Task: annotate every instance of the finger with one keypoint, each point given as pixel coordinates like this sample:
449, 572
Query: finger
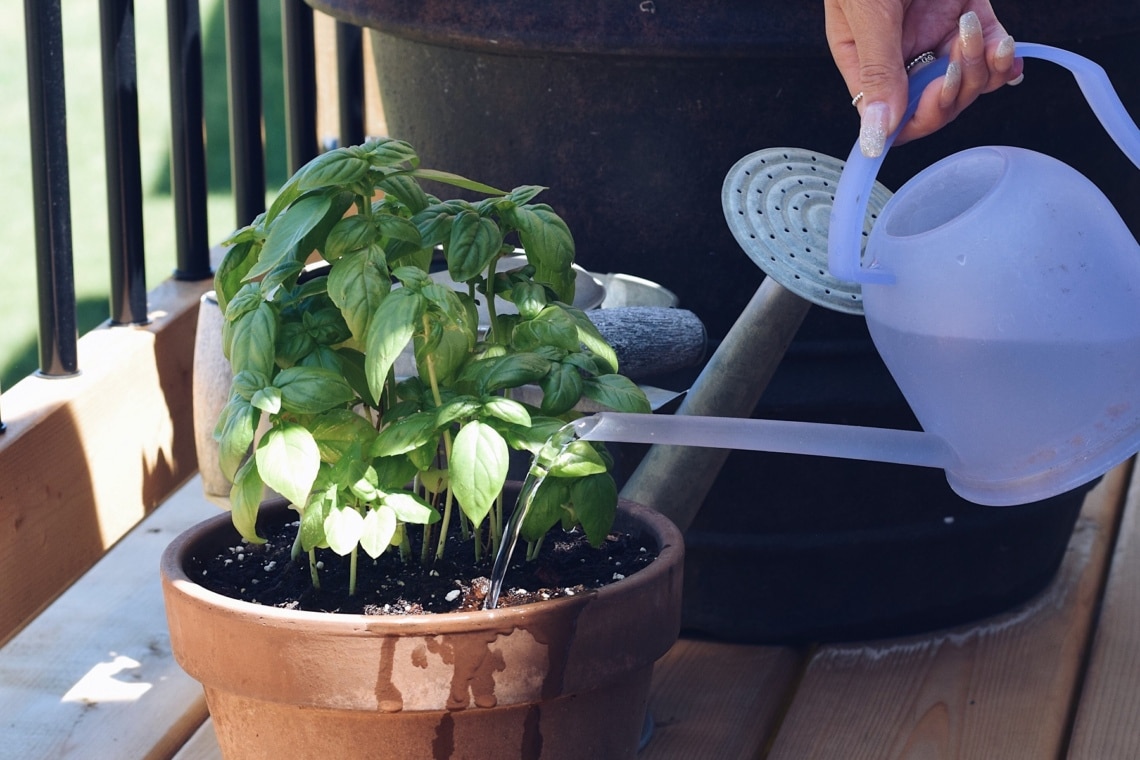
875, 28
972, 54
932, 112
1004, 67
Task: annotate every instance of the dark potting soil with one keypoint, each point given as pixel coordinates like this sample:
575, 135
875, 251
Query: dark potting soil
265, 574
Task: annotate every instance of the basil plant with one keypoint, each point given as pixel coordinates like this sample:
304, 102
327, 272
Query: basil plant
317, 412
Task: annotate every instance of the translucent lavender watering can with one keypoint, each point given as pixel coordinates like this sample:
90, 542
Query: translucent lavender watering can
1003, 292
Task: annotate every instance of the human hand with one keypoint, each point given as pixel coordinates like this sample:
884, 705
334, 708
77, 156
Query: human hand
872, 41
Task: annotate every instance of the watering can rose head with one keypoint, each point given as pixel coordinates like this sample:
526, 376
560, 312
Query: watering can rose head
362, 454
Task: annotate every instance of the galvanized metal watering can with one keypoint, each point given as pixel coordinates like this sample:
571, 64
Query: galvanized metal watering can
1003, 292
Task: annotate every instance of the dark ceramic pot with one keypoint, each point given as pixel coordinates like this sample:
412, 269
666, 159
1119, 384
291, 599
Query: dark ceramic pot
632, 114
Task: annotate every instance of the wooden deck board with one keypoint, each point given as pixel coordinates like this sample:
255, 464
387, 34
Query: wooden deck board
1000, 688
93, 677
203, 745
1108, 718
718, 701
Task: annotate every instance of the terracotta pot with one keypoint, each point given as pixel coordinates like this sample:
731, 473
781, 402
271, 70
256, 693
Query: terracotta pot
568, 678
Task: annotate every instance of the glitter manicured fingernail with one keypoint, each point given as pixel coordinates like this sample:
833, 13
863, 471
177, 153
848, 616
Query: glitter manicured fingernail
1005, 49
873, 129
951, 83
1016, 80
970, 32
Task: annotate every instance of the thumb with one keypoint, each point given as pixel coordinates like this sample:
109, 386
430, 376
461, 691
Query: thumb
877, 33
884, 87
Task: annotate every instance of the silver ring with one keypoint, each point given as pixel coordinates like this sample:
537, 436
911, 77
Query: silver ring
922, 60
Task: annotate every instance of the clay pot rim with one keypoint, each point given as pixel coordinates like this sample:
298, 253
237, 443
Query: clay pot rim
670, 554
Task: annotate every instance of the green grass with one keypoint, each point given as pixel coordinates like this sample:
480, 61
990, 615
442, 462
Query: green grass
19, 354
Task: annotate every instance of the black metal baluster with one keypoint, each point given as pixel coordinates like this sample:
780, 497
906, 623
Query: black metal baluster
55, 275
247, 152
300, 82
188, 149
124, 173
350, 81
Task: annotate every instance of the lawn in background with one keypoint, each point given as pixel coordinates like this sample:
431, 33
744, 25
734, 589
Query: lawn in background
19, 355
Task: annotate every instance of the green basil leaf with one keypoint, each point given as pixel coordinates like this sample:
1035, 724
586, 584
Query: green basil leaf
288, 460
322, 357
247, 299
294, 343
287, 231
338, 430
253, 341
236, 428
616, 392
398, 228
589, 337
411, 277
456, 180
389, 331
236, 263
406, 190
336, 168
532, 437
312, 390
352, 233
393, 472
507, 410
410, 508
552, 327
477, 468
529, 297
456, 409
245, 500
343, 527
595, 499
387, 152
524, 194
514, 370
475, 241
447, 353
434, 224
547, 506
561, 389
405, 435
377, 530
267, 399
312, 530
357, 284
247, 383
549, 247
576, 460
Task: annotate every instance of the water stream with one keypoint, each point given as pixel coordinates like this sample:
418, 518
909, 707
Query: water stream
557, 444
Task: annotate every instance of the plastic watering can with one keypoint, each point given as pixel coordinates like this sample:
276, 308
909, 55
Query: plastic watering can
1003, 292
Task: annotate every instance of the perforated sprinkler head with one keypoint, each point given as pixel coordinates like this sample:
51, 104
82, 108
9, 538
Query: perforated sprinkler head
777, 202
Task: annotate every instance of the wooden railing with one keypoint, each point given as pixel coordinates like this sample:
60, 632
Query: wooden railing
102, 433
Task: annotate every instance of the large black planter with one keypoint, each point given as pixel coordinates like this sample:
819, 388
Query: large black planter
632, 113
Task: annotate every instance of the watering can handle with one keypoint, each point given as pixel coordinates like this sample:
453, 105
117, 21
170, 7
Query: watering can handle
858, 177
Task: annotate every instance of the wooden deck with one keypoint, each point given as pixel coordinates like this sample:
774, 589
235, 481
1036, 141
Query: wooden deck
1056, 677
